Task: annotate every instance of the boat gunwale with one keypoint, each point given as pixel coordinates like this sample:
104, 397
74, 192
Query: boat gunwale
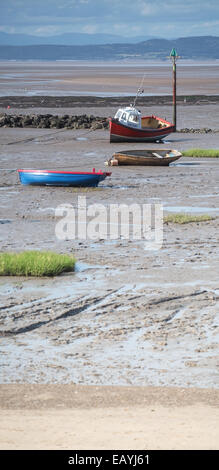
127, 153
40, 172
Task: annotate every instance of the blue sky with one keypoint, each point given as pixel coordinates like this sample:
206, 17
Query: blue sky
161, 18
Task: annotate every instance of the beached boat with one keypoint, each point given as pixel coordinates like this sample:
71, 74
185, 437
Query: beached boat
129, 126
61, 178
150, 157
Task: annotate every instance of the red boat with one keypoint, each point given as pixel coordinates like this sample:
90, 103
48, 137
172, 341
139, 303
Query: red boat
129, 126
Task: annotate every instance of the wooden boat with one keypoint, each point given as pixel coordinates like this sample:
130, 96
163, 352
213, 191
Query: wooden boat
151, 157
61, 178
129, 126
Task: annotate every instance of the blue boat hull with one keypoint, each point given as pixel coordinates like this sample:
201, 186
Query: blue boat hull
61, 179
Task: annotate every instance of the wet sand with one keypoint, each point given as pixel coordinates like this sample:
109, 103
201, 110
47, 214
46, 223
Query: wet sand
81, 78
129, 324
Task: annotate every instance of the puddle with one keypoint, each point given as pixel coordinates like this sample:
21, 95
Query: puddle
191, 209
7, 187
5, 221
47, 209
185, 164
203, 195
109, 186
81, 138
80, 267
90, 154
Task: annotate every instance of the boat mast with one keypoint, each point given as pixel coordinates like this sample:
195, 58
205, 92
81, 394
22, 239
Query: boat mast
140, 91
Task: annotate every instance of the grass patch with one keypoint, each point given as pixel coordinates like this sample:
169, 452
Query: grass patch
35, 263
186, 218
201, 153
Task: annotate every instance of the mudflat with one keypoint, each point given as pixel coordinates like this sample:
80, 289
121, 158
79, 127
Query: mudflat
126, 317
125, 349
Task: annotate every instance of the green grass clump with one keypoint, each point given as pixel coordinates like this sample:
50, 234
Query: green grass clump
186, 218
201, 153
35, 263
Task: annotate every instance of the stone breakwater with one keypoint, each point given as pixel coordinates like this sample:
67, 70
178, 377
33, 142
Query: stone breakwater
49, 121
203, 130
84, 121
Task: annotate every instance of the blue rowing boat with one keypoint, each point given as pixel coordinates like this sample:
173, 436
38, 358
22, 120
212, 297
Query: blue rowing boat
61, 178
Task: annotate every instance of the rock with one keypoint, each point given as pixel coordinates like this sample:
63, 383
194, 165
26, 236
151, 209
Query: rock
83, 121
97, 125
27, 121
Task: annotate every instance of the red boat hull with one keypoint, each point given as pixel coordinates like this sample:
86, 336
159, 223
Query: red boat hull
122, 133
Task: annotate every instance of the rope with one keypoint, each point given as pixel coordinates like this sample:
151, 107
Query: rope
30, 139
140, 91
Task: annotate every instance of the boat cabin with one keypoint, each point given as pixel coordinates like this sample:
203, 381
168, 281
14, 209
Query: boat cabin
129, 116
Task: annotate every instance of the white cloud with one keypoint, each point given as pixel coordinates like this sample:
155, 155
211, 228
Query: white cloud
47, 30
148, 9
173, 18
124, 30
90, 29
8, 29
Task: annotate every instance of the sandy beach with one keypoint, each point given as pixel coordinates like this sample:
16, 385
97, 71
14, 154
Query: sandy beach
122, 353
68, 417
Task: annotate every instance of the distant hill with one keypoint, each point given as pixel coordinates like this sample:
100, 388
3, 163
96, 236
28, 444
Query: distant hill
203, 47
68, 39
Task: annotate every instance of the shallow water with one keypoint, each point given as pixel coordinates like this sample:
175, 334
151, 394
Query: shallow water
185, 164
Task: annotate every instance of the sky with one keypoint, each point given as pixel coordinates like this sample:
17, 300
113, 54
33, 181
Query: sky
159, 18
